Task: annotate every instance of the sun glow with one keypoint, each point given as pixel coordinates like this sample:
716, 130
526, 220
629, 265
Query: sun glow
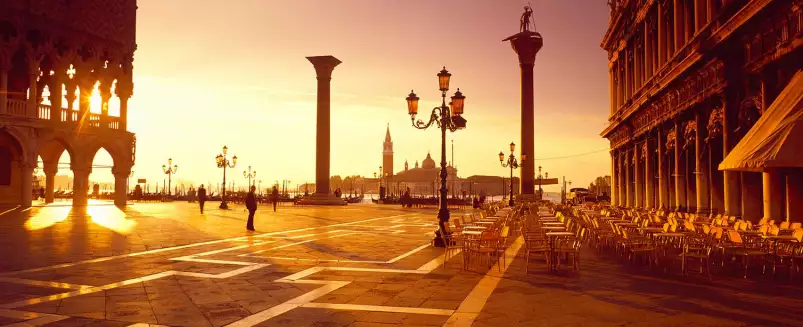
47, 216
111, 217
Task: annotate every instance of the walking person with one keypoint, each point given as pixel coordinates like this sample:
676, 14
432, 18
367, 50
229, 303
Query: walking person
274, 197
201, 197
251, 205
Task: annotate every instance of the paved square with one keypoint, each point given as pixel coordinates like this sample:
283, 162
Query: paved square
363, 265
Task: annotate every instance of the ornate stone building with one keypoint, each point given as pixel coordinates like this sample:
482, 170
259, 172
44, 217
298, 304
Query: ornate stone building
688, 80
58, 52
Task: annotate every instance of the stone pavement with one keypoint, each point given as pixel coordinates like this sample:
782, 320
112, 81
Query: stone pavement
362, 265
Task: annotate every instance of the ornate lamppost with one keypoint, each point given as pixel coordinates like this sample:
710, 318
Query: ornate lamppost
447, 118
169, 170
223, 162
513, 164
540, 181
249, 174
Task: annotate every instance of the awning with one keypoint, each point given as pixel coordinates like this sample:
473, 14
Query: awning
776, 140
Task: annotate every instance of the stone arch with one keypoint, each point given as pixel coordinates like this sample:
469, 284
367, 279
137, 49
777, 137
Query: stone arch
117, 151
53, 145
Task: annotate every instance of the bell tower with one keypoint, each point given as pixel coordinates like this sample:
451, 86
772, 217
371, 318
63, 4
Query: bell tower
387, 154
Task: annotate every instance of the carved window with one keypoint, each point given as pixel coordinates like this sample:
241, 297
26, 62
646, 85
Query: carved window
5, 166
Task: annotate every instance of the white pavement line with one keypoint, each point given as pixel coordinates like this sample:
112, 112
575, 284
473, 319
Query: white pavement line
295, 243
409, 253
9, 210
41, 321
31, 318
379, 308
328, 287
471, 306
65, 265
41, 283
146, 325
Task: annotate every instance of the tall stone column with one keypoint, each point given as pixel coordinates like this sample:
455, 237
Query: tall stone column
702, 173
105, 95
121, 187
680, 33
33, 75
773, 194
648, 51
661, 35
752, 190
80, 185
628, 179
679, 173
649, 176
526, 45
731, 179
3, 87
663, 187
71, 86
622, 179
614, 178
324, 65
612, 90
56, 94
26, 188
50, 169
637, 178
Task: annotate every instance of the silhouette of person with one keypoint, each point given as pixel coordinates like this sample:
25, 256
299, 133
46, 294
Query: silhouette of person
525, 18
201, 197
274, 197
42, 193
251, 205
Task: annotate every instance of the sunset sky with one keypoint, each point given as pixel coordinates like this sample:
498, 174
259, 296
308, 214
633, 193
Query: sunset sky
209, 73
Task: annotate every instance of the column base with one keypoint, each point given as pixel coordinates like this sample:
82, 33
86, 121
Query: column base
527, 198
322, 199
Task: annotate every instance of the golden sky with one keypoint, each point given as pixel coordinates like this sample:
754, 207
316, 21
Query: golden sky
210, 73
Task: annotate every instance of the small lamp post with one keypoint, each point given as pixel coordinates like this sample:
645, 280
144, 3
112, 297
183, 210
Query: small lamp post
447, 118
223, 162
513, 164
249, 174
169, 170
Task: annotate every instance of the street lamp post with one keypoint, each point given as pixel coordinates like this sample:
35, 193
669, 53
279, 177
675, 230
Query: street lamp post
223, 162
448, 118
249, 174
513, 164
540, 181
169, 170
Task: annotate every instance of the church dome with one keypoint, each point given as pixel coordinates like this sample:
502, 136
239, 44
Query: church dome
428, 163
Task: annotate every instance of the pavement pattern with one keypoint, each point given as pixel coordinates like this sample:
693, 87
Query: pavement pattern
165, 264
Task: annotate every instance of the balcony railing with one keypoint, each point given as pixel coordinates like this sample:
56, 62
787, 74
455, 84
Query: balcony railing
19, 108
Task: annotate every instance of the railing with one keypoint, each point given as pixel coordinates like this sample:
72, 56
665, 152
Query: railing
19, 108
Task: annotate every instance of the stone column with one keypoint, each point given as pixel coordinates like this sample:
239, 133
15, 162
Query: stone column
752, 203
637, 178
661, 35
324, 65
794, 196
731, 179
628, 179
701, 173
614, 178
3, 88
679, 13
700, 14
80, 185
628, 77
773, 194
612, 89
124, 91
680, 172
56, 94
526, 45
50, 169
70, 86
33, 75
649, 176
663, 188
120, 186
26, 189
648, 51
105, 95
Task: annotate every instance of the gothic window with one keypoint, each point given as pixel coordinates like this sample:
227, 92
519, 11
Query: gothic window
5, 166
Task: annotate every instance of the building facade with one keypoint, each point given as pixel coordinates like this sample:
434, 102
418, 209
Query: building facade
54, 54
688, 80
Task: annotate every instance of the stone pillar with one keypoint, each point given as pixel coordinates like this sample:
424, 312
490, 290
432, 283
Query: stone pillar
26, 189
663, 188
628, 179
679, 13
680, 172
124, 91
33, 75
50, 169
612, 89
56, 94
121, 186
661, 35
80, 185
648, 51
70, 86
752, 185
649, 176
731, 179
3, 88
700, 14
324, 65
105, 95
794, 195
701, 172
628, 76
773, 195
527, 44
614, 179
637, 179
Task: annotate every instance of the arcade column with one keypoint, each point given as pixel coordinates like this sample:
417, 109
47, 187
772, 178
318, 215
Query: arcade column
527, 44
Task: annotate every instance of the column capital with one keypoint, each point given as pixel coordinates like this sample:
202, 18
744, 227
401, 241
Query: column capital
526, 45
124, 89
324, 65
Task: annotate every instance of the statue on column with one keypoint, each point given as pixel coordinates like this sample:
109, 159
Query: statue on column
525, 19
